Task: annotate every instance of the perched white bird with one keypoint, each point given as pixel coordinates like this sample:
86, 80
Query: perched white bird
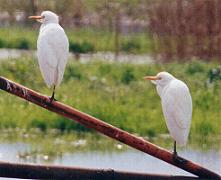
52, 49
177, 105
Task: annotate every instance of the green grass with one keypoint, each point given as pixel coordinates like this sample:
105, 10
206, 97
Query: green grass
10, 37
113, 92
85, 38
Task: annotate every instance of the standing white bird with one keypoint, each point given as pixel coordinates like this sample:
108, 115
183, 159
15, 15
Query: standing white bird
52, 49
177, 105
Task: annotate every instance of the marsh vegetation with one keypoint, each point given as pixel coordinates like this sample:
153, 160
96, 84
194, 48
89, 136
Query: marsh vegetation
113, 92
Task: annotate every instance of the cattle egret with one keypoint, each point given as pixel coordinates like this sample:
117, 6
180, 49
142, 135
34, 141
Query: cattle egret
52, 49
177, 105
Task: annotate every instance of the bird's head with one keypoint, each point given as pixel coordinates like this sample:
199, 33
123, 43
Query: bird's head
46, 17
161, 79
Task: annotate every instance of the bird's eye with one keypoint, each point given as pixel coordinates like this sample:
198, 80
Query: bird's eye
43, 17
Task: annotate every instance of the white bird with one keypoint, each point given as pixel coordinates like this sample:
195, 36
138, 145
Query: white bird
177, 105
52, 49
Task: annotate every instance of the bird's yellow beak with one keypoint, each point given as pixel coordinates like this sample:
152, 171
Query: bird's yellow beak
35, 17
152, 78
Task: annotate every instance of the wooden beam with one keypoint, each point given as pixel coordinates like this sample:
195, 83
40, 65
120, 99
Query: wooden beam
105, 128
31, 171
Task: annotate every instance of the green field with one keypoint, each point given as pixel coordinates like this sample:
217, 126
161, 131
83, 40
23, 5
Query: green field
113, 92
26, 38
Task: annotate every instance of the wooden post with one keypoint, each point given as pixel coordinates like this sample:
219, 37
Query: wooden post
105, 128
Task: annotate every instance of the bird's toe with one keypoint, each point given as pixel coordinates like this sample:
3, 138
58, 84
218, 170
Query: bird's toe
52, 99
178, 159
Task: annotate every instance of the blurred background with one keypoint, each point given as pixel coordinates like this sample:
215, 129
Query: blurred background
113, 44
169, 30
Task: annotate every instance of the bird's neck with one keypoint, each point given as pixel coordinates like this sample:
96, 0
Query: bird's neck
162, 88
44, 25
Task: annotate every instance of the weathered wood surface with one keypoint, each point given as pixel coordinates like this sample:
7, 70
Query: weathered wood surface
105, 128
31, 171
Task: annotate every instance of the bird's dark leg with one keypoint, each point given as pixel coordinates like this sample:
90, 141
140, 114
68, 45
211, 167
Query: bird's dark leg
174, 149
176, 158
53, 93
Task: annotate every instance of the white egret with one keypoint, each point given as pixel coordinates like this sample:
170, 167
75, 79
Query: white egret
177, 105
52, 49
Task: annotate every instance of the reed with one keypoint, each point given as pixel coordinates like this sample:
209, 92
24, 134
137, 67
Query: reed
185, 29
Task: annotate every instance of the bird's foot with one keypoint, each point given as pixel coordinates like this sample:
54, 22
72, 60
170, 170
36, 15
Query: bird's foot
175, 154
52, 98
178, 159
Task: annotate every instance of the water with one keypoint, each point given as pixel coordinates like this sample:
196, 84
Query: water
14, 53
131, 160
97, 152
83, 58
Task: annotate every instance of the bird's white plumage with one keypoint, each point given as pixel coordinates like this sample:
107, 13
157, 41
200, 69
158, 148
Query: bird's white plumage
176, 104
52, 49
177, 109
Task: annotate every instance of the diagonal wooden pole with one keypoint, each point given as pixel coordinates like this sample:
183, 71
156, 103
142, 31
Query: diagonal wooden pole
105, 128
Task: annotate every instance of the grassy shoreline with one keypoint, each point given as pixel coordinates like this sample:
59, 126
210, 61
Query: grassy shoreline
44, 143
81, 40
113, 92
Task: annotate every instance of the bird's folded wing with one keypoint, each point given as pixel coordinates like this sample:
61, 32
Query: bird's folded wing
177, 105
52, 47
